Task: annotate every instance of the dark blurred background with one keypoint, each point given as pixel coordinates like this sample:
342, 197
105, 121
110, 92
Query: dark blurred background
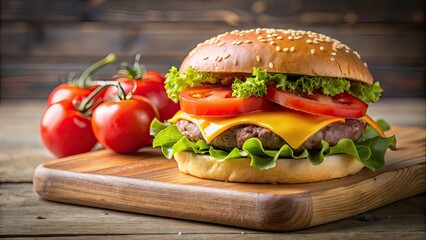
43, 40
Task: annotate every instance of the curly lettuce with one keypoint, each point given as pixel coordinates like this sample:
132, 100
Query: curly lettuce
255, 85
369, 150
177, 82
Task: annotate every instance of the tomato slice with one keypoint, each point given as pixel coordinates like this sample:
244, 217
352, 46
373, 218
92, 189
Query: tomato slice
341, 105
216, 100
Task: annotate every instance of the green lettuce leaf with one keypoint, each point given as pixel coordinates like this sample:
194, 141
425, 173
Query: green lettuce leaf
256, 84
252, 86
176, 82
365, 92
370, 150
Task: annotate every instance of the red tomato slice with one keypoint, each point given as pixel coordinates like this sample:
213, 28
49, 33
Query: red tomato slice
218, 101
341, 105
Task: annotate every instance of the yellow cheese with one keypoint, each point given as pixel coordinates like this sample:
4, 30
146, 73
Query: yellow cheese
374, 125
281, 121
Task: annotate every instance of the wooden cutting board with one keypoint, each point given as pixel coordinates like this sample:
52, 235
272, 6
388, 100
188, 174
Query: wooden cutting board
148, 183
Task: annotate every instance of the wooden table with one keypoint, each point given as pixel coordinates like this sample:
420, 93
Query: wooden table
23, 214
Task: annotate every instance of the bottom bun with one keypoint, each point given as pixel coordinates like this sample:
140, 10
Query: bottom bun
285, 171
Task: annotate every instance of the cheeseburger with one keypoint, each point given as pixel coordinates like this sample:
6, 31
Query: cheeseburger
272, 106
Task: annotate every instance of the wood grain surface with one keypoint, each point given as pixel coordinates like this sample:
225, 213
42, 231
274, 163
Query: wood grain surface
150, 184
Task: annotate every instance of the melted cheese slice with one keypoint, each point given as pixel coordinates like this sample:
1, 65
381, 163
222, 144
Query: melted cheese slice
374, 125
282, 122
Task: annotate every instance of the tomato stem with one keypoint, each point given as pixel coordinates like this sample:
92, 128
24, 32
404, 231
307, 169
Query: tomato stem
120, 92
101, 83
87, 103
84, 80
134, 71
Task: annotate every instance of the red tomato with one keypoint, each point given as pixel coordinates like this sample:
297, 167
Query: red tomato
218, 101
123, 126
341, 105
65, 131
71, 92
151, 89
156, 76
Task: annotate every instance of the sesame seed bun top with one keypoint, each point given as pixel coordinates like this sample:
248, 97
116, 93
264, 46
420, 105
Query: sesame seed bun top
278, 51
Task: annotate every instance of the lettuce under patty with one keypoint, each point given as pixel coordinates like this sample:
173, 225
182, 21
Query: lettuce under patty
369, 150
255, 85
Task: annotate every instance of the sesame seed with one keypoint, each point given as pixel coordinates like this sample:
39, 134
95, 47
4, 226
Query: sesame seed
219, 59
221, 44
248, 41
263, 40
235, 61
269, 36
357, 54
285, 49
258, 58
365, 64
278, 48
205, 58
238, 42
332, 59
226, 56
312, 51
272, 43
347, 51
333, 53
274, 35
290, 38
192, 52
234, 42
322, 48
271, 65
309, 41
280, 37
260, 37
292, 49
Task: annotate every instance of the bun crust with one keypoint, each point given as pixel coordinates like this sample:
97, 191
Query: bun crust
278, 51
285, 171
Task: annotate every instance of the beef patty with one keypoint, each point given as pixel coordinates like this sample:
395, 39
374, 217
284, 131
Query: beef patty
236, 136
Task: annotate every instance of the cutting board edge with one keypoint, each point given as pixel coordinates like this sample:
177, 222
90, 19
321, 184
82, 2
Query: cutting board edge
272, 212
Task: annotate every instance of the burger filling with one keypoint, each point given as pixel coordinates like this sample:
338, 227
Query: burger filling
236, 136
329, 111
246, 85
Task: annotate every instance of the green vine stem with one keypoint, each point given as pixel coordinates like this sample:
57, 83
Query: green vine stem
122, 94
87, 103
84, 80
134, 71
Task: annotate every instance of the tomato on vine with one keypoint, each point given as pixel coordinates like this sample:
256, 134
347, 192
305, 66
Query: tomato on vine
79, 88
148, 84
123, 125
66, 128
